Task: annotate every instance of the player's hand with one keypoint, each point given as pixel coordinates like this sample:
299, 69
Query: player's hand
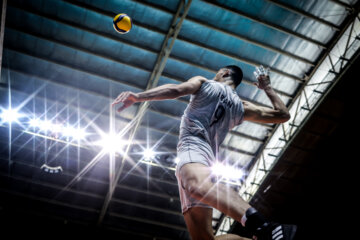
262, 75
127, 99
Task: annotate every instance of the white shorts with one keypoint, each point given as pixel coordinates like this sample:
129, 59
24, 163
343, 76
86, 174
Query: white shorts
191, 153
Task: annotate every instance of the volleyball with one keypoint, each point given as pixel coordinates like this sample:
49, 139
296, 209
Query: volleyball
122, 23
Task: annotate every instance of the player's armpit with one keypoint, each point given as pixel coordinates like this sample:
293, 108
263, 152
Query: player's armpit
261, 114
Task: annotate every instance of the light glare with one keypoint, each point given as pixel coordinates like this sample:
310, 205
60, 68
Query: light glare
79, 134
34, 123
148, 154
10, 115
45, 125
225, 171
111, 143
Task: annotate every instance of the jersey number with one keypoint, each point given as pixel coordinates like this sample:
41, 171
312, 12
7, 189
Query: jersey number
219, 114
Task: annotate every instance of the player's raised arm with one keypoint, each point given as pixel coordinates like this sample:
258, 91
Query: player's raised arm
278, 114
167, 91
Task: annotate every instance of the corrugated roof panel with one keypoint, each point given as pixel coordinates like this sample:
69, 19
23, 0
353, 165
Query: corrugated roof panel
77, 37
173, 108
158, 121
246, 91
278, 82
184, 71
94, 13
61, 74
282, 17
235, 157
78, 59
242, 143
138, 12
252, 129
327, 10
240, 25
261, 97
214, 60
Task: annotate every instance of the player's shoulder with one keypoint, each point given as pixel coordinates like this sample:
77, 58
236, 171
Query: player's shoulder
198, 79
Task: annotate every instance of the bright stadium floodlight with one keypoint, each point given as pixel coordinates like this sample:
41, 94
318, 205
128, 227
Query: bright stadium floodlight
45, 125
111, 143
10, 115
148, 154
79, 133
68, 131
75, 133
227, 172
56, 128
35, 123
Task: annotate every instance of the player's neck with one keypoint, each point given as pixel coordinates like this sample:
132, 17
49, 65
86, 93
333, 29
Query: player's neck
229, 82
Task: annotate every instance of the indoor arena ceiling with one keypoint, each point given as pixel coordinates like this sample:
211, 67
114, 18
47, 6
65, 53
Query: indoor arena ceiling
63, 63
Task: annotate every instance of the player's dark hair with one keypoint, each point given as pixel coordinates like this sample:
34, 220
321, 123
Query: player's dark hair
236, 74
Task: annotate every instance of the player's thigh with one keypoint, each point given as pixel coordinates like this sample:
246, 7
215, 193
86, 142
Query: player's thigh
199, 223
195, 173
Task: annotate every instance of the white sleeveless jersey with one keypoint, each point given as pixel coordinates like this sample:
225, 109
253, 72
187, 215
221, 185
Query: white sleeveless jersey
213, 110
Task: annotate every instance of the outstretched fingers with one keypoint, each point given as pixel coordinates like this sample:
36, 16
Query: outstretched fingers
118, 99
126, 98
259, 71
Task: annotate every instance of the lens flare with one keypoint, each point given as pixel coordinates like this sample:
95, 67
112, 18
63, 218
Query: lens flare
10, 115
111, 143
226, 171
148, 154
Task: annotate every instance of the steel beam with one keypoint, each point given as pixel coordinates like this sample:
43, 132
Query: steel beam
174, 30
239, 134
343, 4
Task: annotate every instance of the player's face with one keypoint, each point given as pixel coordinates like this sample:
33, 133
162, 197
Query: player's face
219, 75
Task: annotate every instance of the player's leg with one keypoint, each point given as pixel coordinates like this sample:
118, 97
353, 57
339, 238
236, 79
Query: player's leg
199, 223
196, 181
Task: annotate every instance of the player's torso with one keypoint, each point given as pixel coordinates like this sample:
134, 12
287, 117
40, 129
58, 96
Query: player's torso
213, 110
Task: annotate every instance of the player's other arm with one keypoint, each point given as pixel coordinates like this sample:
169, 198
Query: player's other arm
278, 114
167, 91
